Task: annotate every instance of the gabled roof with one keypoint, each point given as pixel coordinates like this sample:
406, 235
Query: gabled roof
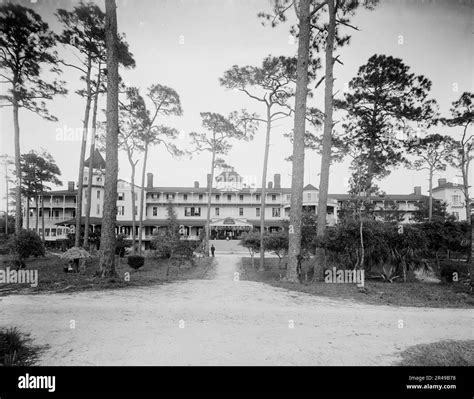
98, 161
310, 187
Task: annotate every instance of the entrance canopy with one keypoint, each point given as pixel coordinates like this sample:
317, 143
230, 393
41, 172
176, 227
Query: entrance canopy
231, 223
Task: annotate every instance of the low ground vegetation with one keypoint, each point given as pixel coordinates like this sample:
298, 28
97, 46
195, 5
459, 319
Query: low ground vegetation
16, 348
411, 293
442, 353
51, 277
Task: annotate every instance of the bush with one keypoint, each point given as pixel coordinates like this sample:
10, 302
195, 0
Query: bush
15, 349
135, 261
26, 244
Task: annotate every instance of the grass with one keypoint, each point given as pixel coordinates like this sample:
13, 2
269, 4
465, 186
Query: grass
51, 277
454, 295
16, 348
441, 353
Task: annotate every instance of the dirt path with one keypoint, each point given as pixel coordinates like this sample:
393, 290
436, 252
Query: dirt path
223, 321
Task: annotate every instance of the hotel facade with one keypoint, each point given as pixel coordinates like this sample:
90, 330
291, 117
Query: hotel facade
235, 205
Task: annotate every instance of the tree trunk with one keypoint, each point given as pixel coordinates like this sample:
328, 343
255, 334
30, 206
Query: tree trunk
7, 196
16, 125
430, 199
264, 190
37, 215
471, 263
142, 201
91, 169
298, 141
108, 238
327, 143
80, 183
27, 213
134, 223
90, 174
208, 217
42, 219
465, 181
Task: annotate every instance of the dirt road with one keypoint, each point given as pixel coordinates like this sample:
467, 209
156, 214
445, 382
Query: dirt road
223, 321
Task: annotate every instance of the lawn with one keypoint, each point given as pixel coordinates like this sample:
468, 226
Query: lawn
442, 353
51, 277
453, 295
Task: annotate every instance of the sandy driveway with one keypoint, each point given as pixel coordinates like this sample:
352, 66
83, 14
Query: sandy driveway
221, 321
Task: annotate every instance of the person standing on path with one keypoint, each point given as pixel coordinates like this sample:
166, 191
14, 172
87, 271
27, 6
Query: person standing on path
213, 249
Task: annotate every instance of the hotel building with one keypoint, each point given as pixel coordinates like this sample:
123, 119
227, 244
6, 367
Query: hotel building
235, 205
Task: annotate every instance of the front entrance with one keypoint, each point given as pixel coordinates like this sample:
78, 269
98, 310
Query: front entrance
229, 229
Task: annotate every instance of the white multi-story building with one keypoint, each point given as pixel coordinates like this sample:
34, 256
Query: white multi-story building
235, 205
452, 194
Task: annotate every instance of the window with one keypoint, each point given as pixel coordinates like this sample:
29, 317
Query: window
218, 197
200, 197
257, 197
121, 196
229, 197
192, 211
98, 209
257, 212
98, 194
75, 199
274, 197
57, 200
40, 213
185, 197
456, 199
74, 213
136, 210
169, 196
121, 210
155, 211
99, 179
217, 211
456, 215
241, 197
276, 212
53, 232
241, 211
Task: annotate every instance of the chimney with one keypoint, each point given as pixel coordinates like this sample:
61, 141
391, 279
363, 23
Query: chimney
196, 184
277, 180
270, 185
149, 180
208, 180
70, 186
441, 182
417, 190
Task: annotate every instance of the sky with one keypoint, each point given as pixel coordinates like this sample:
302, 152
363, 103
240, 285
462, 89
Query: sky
188, 44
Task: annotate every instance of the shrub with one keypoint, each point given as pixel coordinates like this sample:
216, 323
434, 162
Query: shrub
15, 349
277, 243
26, 244
251, 241
135, 261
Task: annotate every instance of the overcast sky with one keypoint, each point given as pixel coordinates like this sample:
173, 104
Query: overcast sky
187, 45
